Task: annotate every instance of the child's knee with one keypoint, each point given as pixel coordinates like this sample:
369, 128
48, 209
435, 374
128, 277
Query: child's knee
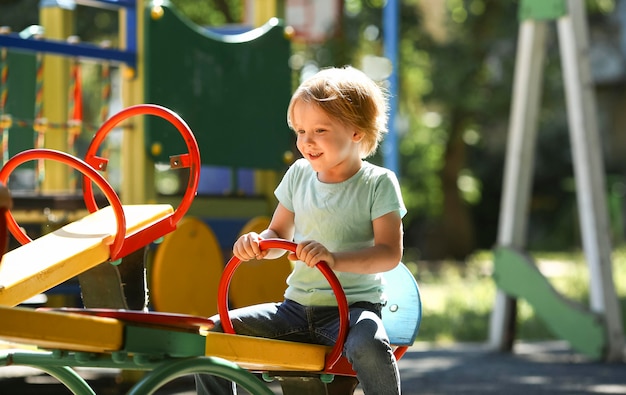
366, 350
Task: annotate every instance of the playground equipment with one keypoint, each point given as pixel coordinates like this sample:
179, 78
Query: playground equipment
135, 340
166, 345
206, 75
195, 248
596, 332
233, 90
80, 246
171, 345
289, 362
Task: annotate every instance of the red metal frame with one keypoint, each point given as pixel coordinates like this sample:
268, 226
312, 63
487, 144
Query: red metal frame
123, 244
233, 264
89, 173
4, 239
191, 159
174, 321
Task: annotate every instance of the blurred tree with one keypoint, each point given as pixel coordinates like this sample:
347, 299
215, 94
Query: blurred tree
18, 14
455, 73
211, 13
470, 54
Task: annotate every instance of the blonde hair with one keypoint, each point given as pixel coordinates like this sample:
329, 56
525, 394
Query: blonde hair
351, 97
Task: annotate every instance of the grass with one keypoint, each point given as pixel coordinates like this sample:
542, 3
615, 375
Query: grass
458, 297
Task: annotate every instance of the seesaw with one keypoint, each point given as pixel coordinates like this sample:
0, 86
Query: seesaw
165, 345
107, 234
310, 368
173, 345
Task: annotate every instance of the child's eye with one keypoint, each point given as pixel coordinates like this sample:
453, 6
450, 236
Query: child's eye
320, 130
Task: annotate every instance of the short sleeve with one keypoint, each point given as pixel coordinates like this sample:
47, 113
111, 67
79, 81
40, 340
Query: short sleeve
284, 191
387, 196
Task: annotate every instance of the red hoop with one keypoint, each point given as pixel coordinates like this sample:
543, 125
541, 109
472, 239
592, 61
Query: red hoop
231, 266
191, 159
88, 172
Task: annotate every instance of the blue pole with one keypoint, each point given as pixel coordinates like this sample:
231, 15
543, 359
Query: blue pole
391, 13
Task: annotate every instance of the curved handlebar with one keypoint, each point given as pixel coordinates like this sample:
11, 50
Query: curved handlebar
191, 159
342, 303
88, 172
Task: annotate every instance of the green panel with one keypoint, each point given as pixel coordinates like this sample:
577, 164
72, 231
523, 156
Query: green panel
233, 91
542, 9
151, 341
517, 275
21, 101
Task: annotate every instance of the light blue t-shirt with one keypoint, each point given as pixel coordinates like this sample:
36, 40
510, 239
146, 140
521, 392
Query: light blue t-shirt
340, 217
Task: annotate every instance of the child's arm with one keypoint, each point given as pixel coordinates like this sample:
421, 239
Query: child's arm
281, 226
383, 256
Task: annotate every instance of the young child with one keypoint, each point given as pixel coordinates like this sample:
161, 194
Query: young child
340, 209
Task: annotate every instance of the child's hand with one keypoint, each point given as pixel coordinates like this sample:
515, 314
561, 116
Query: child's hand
247, 247
311, 252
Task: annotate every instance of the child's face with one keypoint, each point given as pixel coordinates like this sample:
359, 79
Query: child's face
331, 147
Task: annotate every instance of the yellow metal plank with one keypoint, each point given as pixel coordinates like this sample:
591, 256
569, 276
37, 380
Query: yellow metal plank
58, 256
55, 330
262, 354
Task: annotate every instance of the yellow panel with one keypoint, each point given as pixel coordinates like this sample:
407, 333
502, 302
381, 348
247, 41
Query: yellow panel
261, 281
55, 330
257, 353
58, 256
58, 23
186, 270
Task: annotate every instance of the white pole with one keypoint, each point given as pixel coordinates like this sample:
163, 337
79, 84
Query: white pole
518, 168
589, 173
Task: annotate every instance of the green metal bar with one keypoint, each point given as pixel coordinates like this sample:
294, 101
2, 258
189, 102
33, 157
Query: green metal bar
542, 9
162, 371
69, 378
73, 359
201, 365
66, 375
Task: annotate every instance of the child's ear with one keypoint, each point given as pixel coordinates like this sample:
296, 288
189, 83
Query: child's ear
357, 136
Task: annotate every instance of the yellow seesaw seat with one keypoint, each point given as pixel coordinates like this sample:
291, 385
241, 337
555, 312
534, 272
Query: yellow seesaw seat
55, 330
69, 251
261, 354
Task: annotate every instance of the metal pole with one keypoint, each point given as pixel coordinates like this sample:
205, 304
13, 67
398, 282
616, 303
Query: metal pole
589, 173
391, 29
519, 159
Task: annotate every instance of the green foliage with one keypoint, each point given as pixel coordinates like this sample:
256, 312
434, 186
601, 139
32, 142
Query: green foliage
19, 14
458, 297
456, 66
211, 13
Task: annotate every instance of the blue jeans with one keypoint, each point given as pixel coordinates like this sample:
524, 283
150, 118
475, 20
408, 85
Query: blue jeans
366, 347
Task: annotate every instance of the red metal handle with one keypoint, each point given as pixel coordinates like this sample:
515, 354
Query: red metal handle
6, 203
191, 159
89, 172
342, 302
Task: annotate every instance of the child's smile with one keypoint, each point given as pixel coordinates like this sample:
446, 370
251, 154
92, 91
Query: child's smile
331, 147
